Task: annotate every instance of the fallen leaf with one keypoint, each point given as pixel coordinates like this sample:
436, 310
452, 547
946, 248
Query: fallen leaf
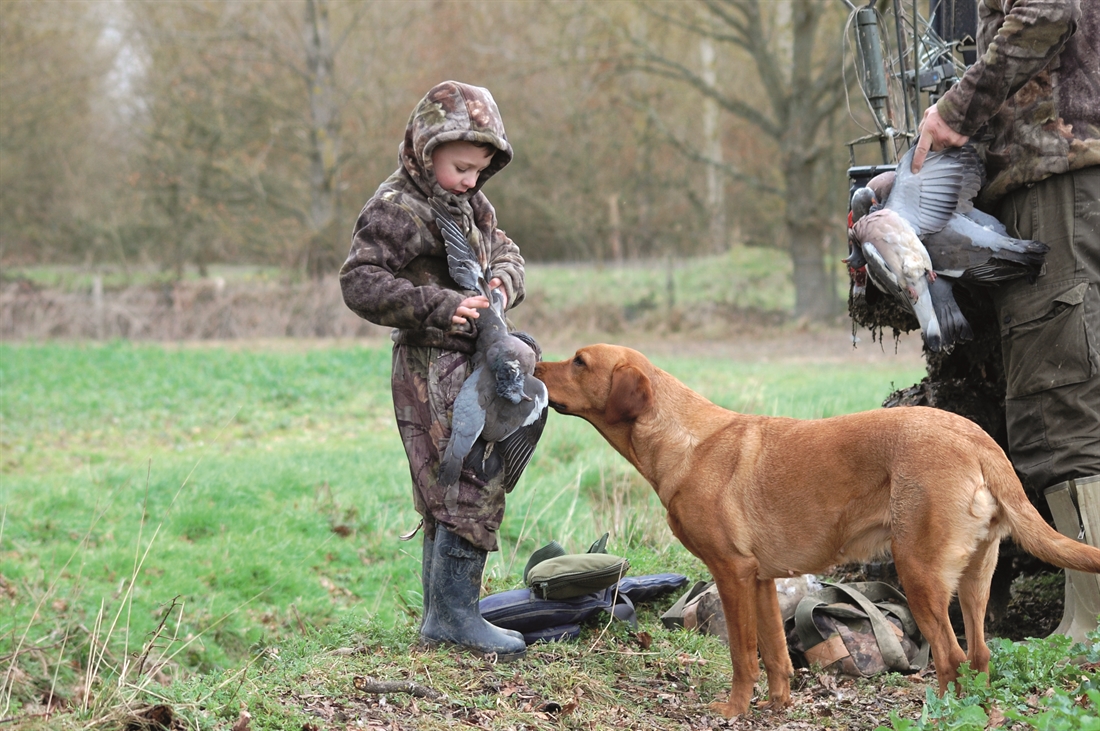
243, 722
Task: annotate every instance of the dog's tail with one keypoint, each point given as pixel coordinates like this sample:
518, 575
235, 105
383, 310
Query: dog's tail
1028, 527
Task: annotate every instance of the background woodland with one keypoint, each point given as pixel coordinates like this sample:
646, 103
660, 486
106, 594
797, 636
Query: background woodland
175, 136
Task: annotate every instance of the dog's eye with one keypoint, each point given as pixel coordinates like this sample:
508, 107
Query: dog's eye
578, 360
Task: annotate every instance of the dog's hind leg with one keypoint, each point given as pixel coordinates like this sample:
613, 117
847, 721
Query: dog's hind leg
735, 577
973, 598
772, 642
928, 586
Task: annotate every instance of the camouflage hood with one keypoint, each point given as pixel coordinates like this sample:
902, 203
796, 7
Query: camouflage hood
452, 111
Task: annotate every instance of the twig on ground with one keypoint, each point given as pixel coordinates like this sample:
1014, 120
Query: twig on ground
373, 685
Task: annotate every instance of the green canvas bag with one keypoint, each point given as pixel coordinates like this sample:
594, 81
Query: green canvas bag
551, 573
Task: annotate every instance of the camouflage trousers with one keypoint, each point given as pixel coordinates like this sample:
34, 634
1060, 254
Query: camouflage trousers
425, 384
1050, 332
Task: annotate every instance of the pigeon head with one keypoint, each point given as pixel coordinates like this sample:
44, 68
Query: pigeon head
511, 360
862, 200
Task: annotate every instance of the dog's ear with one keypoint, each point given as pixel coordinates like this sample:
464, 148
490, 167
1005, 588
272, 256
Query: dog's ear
631, 394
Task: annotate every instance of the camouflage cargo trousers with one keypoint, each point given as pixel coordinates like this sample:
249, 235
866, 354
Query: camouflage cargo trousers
1050, 332
425, 384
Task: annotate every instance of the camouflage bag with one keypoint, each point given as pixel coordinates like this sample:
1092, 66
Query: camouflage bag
859, 629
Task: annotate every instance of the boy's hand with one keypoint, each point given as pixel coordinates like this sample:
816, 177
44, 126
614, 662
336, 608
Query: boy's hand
495, 283
468, 309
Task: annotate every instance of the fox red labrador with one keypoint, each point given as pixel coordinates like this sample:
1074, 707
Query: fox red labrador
757, 498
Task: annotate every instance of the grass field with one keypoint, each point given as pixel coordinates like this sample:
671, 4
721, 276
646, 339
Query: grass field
185, 514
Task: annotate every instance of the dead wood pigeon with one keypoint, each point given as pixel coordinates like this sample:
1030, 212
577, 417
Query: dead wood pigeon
973, 247
501, 409
889, 238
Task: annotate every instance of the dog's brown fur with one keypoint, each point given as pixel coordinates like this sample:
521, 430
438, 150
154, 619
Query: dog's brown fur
757, 498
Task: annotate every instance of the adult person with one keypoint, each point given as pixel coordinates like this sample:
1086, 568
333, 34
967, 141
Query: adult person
1031, 104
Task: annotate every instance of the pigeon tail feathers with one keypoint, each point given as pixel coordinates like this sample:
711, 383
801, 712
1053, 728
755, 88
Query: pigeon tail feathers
954, 327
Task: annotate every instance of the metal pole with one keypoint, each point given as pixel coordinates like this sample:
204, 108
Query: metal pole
916, 66
901, 66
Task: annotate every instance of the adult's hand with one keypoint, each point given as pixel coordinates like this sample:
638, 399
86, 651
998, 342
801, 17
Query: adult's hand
934, 135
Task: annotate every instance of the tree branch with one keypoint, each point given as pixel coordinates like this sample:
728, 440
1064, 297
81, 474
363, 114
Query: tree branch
685, 149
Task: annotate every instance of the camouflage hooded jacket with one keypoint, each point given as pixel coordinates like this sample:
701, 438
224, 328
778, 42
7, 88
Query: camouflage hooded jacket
396, 274
1035, 89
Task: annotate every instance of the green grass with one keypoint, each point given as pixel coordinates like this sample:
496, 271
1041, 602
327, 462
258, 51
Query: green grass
225, 520
743, 277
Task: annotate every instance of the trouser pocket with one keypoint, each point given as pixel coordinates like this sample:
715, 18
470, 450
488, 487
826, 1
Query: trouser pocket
1044, 338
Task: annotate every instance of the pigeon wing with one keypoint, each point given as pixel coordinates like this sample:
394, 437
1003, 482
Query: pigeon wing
461, 259
518, 447
467, 423
928, 199
880, 273
966, 249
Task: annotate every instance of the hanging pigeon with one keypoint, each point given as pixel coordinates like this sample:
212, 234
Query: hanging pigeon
501, 409
973, 247
889, 238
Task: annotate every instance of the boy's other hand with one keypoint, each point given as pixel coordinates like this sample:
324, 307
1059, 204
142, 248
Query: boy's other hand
468, 309
495, 283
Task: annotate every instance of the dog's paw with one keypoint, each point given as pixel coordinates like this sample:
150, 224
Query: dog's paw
777, 701
729, 710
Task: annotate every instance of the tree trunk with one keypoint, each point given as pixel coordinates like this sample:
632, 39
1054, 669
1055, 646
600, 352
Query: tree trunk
322, 258
712, 145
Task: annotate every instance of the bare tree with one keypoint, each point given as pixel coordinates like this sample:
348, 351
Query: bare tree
798, 66
56, 144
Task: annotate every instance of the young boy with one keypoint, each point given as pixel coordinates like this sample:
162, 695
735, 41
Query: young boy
396, 275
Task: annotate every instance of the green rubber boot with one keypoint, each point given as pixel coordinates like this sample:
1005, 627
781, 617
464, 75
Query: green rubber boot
426, 575
453, 615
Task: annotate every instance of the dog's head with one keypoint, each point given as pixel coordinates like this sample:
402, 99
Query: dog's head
607, 385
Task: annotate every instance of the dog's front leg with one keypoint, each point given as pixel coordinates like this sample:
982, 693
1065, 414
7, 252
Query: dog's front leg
773, 644
737, 586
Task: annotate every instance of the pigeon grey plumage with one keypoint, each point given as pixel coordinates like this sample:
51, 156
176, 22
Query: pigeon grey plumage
501, 409
889, 238
973, 246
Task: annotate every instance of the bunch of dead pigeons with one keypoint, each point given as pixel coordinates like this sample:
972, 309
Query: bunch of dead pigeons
915, 236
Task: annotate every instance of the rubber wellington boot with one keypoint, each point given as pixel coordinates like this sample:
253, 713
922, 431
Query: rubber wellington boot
1075, 505
426, 574
454, 617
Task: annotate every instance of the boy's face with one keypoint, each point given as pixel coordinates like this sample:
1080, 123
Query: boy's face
458, 164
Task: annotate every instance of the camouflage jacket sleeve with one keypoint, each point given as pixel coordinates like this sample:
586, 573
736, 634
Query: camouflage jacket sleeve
380, 281
504, 257
508, 265
1027, 35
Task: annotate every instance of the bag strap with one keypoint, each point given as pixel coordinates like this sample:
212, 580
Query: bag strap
674, 617
553, 549
621, 607
887, 597
889, 645
599, 546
